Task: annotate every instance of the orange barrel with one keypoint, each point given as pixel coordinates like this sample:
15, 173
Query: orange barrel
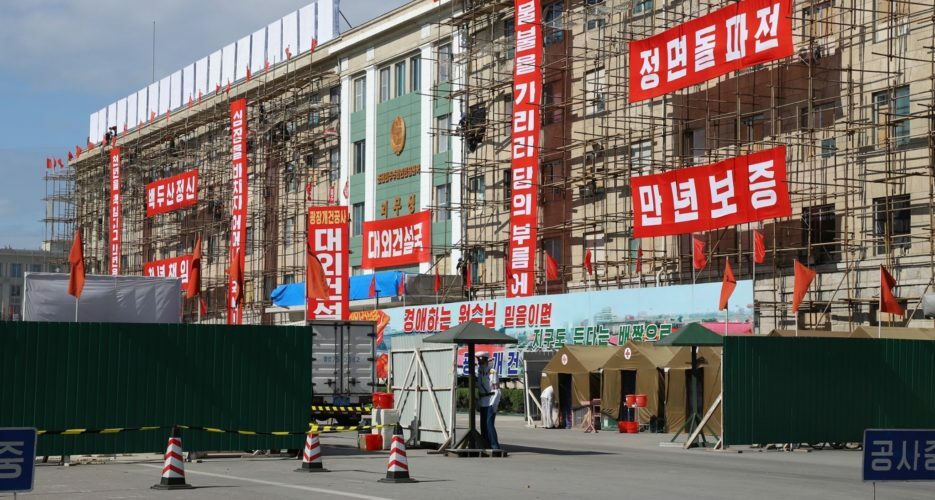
633, 427
641, 401
383, 400
622, 426
373, 442
630, 400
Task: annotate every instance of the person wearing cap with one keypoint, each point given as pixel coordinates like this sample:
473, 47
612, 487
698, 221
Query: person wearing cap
488, 399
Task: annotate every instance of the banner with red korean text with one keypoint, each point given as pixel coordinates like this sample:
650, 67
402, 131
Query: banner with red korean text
238, 222
175, 267
734, 191
328, 234
116, 222
524, 182
398, 241
172, 193
743, 34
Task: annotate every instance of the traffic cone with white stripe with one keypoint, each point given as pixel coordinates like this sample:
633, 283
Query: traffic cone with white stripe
173, 471
311, 455
397, 469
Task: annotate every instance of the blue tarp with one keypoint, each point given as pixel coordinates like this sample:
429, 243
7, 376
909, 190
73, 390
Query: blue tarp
293, 294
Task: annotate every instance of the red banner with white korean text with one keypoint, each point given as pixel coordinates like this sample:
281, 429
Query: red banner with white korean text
116, 224
175, 267
744, 34
524, 201
238, 223
398, 241
172, 193
328, 238
734, 191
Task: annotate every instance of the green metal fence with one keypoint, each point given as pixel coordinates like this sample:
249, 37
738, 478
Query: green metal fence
809, 390
57, 376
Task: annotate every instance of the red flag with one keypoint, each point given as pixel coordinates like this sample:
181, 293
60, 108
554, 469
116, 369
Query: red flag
639, 258
194, 272
60, 164
266, 66
168, 114
803, 278
152, 115
316, 286
217, 88
759, 247
314, 45
438, 281
48, 163
727, 286
76, 260
70, 156
78, 151
203, 305
372, 293
249, 73
551, 268
228, 88
401, 288
236, 273
308, 192
191, 102
199, 97
468, 279
588, 266
888, 302
288, 53
698, 257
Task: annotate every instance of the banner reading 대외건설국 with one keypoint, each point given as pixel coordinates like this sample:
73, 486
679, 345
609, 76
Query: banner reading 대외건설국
397, 241
610, 317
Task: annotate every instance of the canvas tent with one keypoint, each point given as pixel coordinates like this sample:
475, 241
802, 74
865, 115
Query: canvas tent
892, 332
635, 373
677, 395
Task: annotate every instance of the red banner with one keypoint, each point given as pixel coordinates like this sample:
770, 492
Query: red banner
116, 223
398, 241
238, 241
524, 203
176, 267
744, 34
172, 193
328, 236
737, 190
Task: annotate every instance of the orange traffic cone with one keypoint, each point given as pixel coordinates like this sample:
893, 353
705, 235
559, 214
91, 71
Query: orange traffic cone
397, 469
311, 456
173, 472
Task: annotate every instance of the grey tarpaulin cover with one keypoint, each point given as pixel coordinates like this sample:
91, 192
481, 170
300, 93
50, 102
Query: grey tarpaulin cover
105, 299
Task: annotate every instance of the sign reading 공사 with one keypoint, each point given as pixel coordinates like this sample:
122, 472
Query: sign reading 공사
328, 239
17, 458
899, 455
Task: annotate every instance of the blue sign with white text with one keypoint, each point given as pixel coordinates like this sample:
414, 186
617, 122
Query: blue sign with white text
17, 458
899, 455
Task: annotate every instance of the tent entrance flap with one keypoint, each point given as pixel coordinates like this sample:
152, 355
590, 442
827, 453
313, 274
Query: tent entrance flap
565, 399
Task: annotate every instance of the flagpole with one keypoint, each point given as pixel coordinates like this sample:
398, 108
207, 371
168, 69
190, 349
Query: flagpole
76, 309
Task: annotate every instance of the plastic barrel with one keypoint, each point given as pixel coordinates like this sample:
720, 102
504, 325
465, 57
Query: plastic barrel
630, 400
383, 400
641, 401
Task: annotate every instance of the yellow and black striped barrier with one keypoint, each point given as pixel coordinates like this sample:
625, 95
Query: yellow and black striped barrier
311, 428
111, 430
341, 409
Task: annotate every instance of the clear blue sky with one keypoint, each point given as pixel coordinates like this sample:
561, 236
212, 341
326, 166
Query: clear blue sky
64, 59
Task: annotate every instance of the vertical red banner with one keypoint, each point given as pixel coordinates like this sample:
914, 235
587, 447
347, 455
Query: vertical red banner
115, 218
328, 239
524, 202
238, 243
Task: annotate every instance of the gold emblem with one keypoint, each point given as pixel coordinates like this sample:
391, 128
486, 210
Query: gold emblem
398, 135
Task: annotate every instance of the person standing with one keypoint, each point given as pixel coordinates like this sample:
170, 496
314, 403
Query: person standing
488, 399
546, 400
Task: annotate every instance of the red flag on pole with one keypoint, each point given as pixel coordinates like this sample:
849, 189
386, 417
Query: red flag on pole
48, 163
803, 279
266, 66
249, 73
888, 302
468, 279
699, 261
588, 265
76, 260
191, 102
373, 286
759, 247
236, 273
316, 286
438, 281
401, 287
70, 156
314, 45
727, 286
60, 164
551, 268
203, 305
194, 272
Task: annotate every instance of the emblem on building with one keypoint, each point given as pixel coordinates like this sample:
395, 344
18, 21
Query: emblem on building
398, 135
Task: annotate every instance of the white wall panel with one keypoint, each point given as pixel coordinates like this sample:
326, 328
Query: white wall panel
111, 115
165, 96
101, 126
188, 84
274, 42
214, 72
258, 51
201, 77
306, 27
243, 58
327, 20
92, 127
132, 111
121, 115
175, 90
228, 60
142, 106
153, 104
290, 34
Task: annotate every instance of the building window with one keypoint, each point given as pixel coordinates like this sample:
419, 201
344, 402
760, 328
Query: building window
288, 233
695, 145
507, 184
415, 73
754, 128
384, 84
594, 91
477, 188
509, 38
360, 158
442, 202
891, 19
16, 270
595, 18
1, 268
891, 219
444, 63
819, 231
288, 279
552, 102
508, 111
357, 219
334, 164
248, 240
641, 154
828, 147
642, 6
35, 268
360, 93
554, 29
891, 116
400, 78
291, 178
334, 95
16, 291
823, 115
442, 136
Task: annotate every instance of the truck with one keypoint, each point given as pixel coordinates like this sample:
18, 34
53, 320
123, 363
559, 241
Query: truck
343, 370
